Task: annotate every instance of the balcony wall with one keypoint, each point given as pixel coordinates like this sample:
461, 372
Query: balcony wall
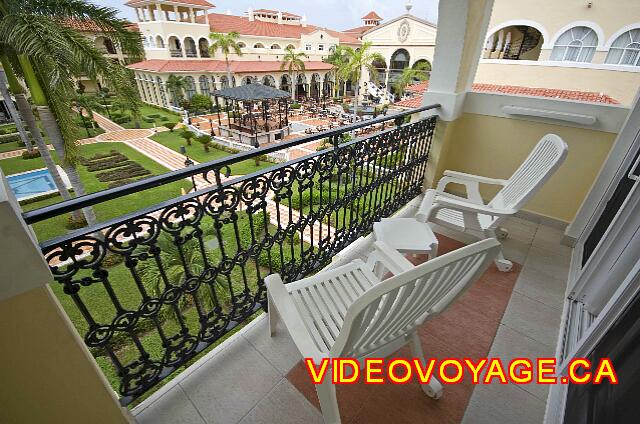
486, 141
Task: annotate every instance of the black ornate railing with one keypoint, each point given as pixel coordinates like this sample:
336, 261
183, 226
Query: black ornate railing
153, 288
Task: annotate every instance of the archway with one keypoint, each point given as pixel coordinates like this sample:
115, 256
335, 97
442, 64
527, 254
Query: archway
328, 85
190, 47
285, 83
380, 75
163, 93
159, 42
203, 47
269, 81
224, 82
191, 87
248, 80
301, 86
105, 45
315, 86
175, 46
204, 85
400, 60
516, 42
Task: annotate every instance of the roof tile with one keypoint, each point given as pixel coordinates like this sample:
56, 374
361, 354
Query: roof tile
582, 96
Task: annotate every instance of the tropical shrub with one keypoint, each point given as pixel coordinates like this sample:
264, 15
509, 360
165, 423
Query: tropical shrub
170, 125
30, 155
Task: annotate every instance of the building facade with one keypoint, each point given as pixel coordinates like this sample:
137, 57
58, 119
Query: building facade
574, 45
176, 40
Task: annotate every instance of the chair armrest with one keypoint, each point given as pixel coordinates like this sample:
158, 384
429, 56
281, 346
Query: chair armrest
391, 258
449, 203
280, 299
455, 175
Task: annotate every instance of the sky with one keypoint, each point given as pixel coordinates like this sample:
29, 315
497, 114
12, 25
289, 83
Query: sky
333, 14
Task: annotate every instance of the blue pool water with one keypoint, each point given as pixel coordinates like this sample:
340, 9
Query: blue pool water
30, 184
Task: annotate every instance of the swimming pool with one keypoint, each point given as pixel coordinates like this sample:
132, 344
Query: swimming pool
34, 183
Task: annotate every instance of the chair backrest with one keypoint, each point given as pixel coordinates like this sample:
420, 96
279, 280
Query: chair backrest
392, 309
541, 163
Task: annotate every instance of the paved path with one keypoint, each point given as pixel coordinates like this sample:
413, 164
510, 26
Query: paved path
139, 140
18, 152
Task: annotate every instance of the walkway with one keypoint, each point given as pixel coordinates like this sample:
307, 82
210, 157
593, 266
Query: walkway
139, 140
18, 152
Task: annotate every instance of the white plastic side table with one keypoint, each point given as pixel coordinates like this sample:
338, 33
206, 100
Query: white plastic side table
407, 235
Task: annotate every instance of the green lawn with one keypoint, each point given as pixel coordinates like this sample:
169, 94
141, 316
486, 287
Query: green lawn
147, 110
56, 226
7, 147
196, 152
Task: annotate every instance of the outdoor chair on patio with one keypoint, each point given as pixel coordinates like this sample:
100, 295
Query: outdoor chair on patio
471, 215
350, 312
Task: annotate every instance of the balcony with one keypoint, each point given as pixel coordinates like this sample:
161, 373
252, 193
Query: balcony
169, 299
191, 53
175, 52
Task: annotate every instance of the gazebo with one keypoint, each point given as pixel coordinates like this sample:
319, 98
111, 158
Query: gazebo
256, 113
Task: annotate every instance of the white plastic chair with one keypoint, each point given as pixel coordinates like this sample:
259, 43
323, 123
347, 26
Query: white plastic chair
470, 215
349, 312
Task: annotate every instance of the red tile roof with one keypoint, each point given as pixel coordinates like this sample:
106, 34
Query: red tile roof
358, 30
581, 96
212, 65
227, 23
86, 25
189, 2
372, 16
275, 12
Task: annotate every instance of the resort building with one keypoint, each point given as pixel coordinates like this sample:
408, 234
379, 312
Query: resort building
589, 46
163, 312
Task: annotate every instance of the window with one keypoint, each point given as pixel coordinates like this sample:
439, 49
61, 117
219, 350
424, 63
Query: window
320, 47
258, 46
307, 47
275, 47
625, 50
577, 44
242, 45
291, 47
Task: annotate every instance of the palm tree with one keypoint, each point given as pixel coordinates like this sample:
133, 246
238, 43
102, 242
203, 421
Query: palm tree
419, 72
177, 85
338, 59
27, 113
227, 44
357, 60
293, 62
15, 117
49, 55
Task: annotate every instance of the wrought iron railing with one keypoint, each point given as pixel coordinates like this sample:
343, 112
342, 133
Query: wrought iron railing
153, 288
175, 52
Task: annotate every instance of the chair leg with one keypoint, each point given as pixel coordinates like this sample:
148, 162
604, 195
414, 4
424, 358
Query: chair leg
434, 389
273, 316
502, 233
503, 264
328, 400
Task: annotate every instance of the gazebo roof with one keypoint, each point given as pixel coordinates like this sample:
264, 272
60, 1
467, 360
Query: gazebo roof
251, 92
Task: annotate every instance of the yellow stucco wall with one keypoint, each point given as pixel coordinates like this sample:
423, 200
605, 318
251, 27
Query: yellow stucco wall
46, 375
495, 147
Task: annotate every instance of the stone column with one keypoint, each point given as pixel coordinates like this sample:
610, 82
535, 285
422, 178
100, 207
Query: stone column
48, 374
459, 43
175, 10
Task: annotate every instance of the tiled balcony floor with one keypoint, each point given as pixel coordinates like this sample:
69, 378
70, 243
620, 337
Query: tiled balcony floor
245, 379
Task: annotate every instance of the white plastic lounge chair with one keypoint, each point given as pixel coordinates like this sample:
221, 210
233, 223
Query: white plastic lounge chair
348, 312
470, 215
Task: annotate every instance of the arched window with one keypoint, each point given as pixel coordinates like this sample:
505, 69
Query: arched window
258, 46
190, 47
275, 47
204, 85
242, 45
159, 42
163, 93
224, 82
269, 80
191, 88
203, 47
577, 44
625, 50
291, 47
